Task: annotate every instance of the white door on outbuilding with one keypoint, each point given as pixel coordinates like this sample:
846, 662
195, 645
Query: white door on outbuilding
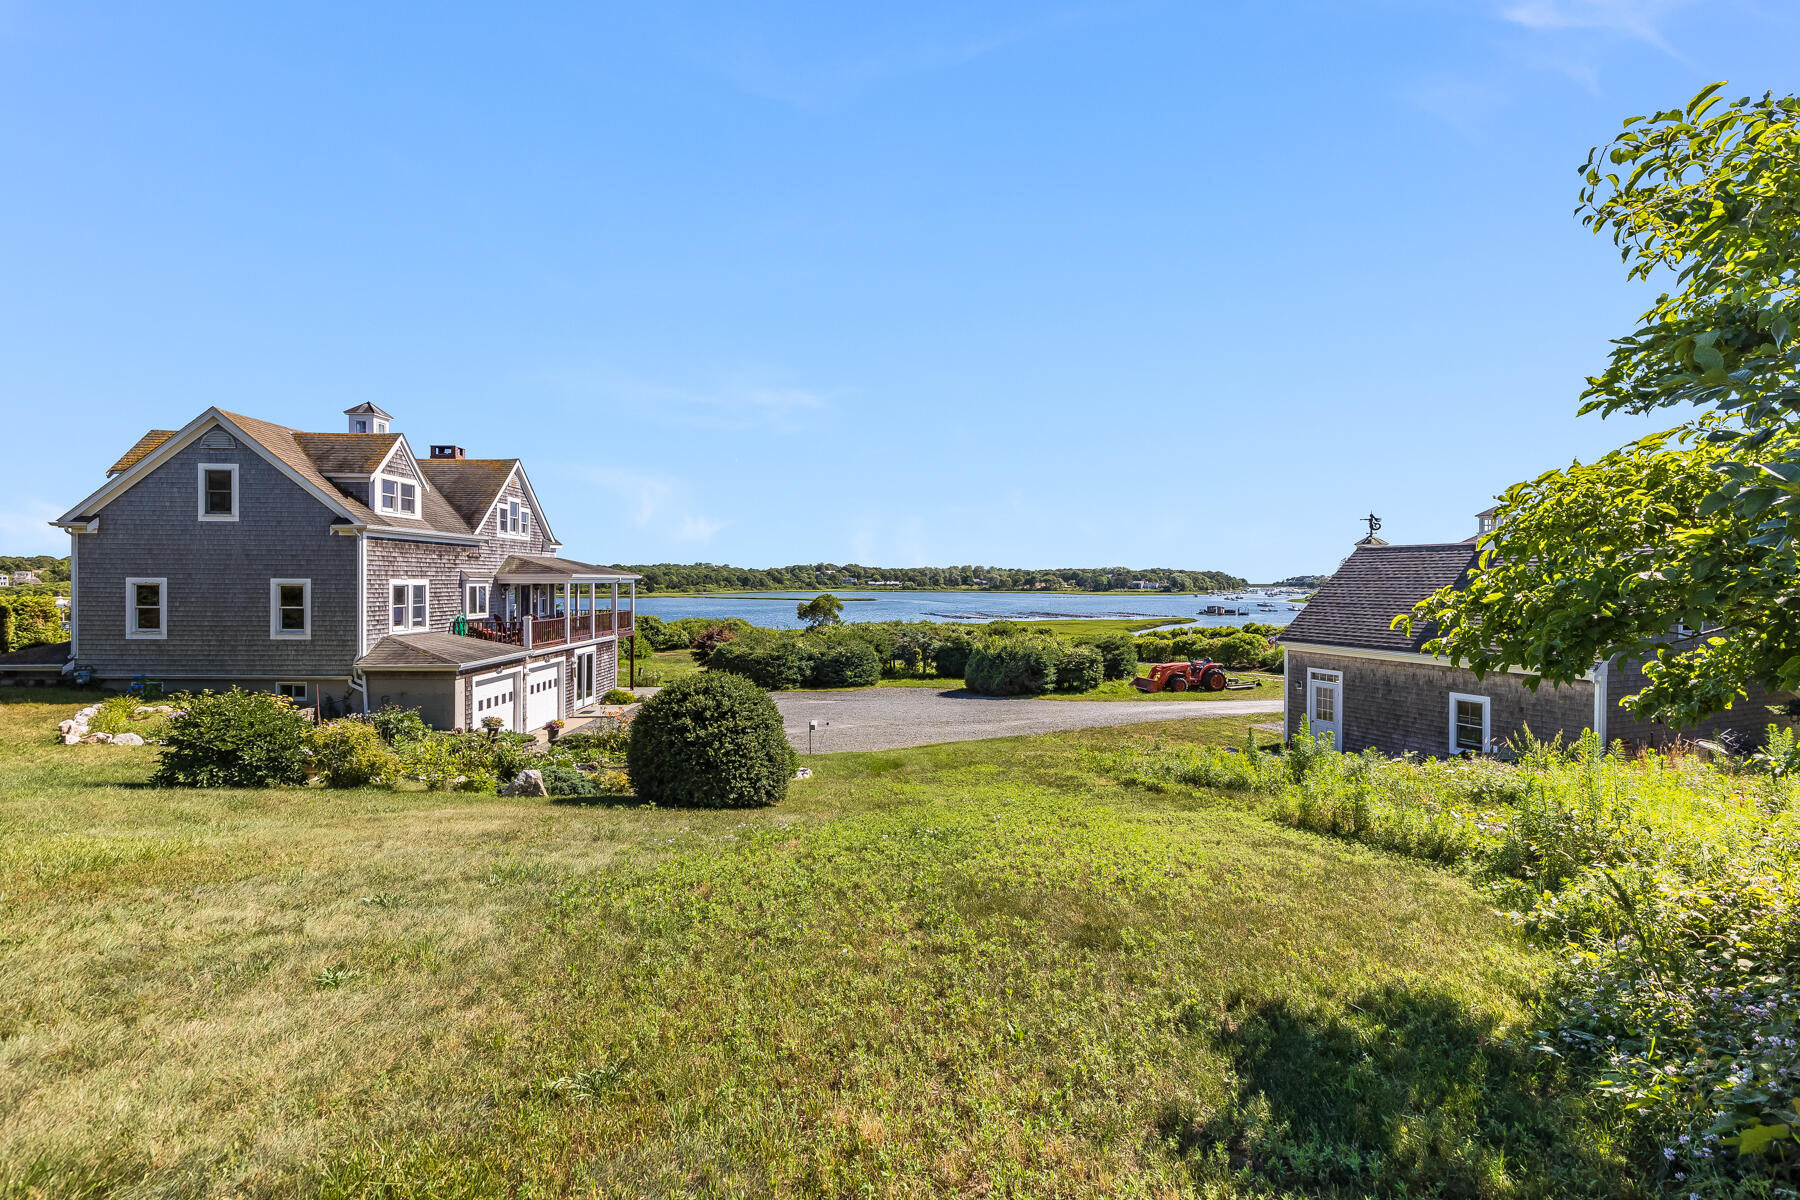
1325, 705
543, 694
496, 696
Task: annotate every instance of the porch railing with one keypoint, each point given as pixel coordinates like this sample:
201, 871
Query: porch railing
534, 632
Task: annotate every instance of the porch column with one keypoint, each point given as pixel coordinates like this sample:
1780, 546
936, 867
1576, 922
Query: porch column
568, 594
633, 657
525, 615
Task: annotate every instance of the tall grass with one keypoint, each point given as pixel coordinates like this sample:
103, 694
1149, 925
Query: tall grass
1667, 886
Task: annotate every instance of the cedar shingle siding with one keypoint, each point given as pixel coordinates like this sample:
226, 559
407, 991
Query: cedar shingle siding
1398, 704
218, 573
218, 591
1405, 707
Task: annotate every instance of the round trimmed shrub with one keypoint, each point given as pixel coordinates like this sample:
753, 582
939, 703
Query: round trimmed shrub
1081, 670
709, 741
845, 663
1013, 666
770, 662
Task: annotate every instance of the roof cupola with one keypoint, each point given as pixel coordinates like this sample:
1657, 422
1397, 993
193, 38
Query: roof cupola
368, 418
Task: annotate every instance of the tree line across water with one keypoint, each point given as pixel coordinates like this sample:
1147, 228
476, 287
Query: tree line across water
694, 577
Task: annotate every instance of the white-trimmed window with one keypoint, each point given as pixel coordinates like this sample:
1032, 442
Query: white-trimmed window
408, 604
380, 426
514, 519
146, 608
397, 496
297, 692
359, 425
218, 492
475, 600
1470, 732
290, 609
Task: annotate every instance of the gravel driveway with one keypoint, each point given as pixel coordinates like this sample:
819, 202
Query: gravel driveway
888, 718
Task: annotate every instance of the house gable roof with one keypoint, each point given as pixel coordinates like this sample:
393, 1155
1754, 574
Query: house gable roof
469, 485
141, 449
347, 453
1357, 605
292, 452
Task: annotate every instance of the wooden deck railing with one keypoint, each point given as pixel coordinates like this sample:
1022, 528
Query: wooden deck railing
536, 632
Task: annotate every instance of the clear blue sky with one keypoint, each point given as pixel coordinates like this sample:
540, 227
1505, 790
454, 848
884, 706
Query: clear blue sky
1146, 283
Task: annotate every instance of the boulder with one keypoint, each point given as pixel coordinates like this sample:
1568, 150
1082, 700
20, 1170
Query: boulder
65, 726
527, 783
127, 739
803, 773
88, 713
71, 738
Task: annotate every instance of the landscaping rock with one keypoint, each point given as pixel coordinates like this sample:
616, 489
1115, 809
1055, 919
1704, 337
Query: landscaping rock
803, 773
65, 726
529, 782
127, 739
71, 739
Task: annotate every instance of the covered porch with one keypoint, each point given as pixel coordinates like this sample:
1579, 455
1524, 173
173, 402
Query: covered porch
540, 601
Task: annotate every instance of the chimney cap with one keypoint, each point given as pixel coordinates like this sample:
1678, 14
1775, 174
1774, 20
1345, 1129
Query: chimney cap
446, 452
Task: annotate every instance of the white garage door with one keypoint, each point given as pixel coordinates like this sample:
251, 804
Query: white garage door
543, 690
496, 696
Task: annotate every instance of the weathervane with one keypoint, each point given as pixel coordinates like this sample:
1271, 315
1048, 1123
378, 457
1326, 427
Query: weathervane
1374, 523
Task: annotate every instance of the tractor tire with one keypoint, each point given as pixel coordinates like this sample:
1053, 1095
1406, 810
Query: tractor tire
1213, 681
1177, 684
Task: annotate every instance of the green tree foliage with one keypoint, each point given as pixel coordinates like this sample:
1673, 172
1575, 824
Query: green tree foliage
1118, 655
823, 609
1243, 647
807, 577
843, 662
33, 620
1697, 525
1081, 670
768, 659
709, 741
233, 739
950, 655
1024, 665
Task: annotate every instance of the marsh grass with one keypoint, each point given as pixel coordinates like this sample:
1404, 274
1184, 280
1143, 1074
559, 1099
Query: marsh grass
982, 968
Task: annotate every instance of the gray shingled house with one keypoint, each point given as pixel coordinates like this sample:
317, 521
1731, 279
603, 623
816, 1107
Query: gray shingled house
341, 570
1352, 675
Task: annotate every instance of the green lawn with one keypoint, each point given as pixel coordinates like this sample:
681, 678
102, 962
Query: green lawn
983, 968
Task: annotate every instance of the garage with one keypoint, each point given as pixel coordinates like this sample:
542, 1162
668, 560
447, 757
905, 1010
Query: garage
543, 694
496, 696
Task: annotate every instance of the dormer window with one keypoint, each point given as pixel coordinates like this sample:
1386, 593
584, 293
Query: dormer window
360, 426
515, 519
381, 427
399, 497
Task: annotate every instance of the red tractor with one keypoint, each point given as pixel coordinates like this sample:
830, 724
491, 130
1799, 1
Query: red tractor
1201, 675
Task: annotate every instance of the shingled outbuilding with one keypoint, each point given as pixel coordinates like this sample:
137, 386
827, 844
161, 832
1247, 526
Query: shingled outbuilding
1353, 676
